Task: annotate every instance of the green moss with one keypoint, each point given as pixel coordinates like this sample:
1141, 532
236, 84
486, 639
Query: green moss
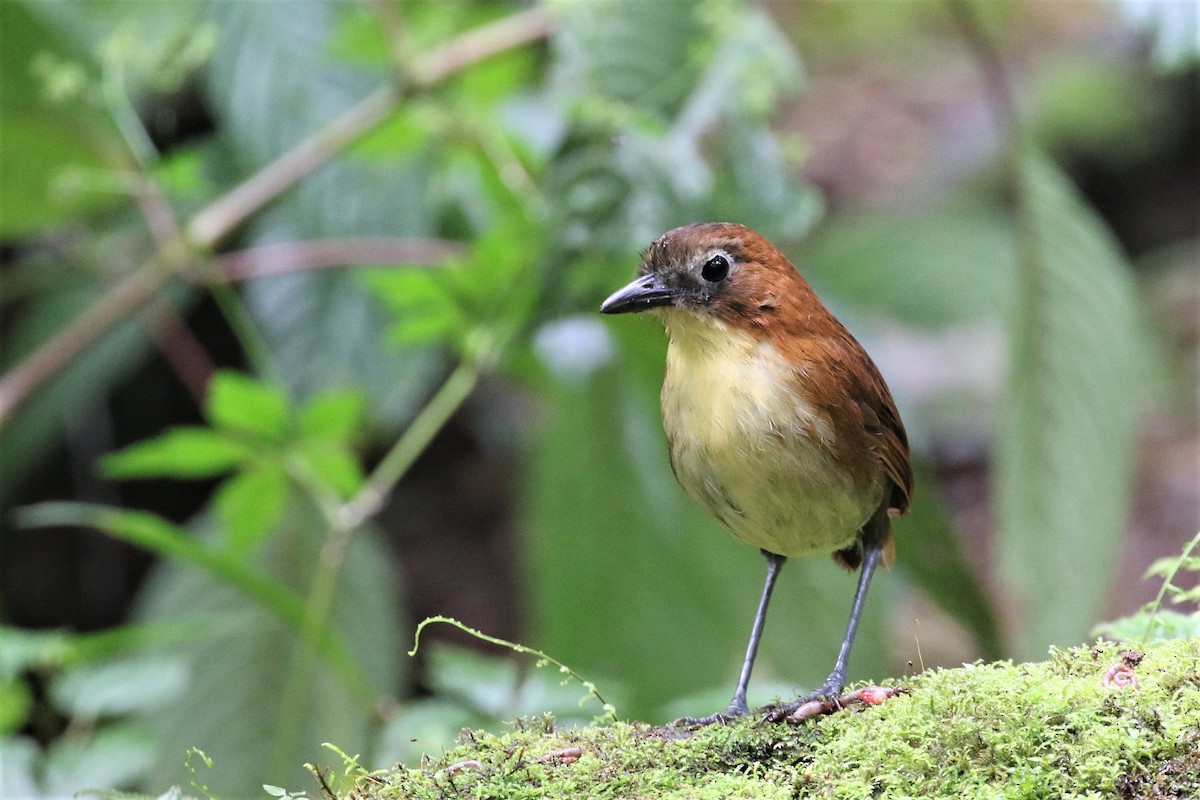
1045, 730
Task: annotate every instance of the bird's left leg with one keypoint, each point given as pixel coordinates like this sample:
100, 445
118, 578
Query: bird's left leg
833, 685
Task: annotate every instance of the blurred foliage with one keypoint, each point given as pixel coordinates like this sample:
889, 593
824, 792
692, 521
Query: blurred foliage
272, 621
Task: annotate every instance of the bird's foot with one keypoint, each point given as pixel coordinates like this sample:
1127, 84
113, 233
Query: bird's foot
736, 709
824, 700
819, 703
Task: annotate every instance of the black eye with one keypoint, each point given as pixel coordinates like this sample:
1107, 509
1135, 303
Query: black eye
715, 269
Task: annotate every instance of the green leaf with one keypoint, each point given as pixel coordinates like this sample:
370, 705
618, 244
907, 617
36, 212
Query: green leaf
189, 452
1066, 430
114, 755
927, 269
249, 505
1160, 625
179, 544
22, 650
118, 686
45, 141
242, 676
334, 463
16, 700
334, 415
634, 52
241, 404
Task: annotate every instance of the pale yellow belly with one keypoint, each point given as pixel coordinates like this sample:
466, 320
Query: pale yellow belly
757, 458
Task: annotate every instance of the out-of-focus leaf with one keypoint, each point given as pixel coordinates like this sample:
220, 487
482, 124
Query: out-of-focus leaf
1066, 429
118, 686
249, 505
45, 141
610, 529
334, 464
19, 755
22, 649
16, 700
40, 172
172, 542
115, 756
421, 726
274, 81
244, 675
928, 550
1162, 624
187, 452
334, 415
240, 404
926, 269
637, 53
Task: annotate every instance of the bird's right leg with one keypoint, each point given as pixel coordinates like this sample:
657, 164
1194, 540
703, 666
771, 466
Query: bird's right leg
737, 706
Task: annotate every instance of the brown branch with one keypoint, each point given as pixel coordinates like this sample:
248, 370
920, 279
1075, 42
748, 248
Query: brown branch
180, 348
468, 49
287, 257
122, 300
216, 221
1001, 99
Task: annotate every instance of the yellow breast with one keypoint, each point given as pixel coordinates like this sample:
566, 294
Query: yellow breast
747, 445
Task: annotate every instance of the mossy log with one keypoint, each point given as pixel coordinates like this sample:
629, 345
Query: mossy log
1102, 721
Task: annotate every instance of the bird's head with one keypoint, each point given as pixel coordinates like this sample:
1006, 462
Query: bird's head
720, 273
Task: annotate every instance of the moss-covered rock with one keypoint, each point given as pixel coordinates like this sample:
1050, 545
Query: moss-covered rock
1092, 722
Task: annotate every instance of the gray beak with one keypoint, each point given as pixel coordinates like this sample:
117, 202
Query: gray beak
646, 292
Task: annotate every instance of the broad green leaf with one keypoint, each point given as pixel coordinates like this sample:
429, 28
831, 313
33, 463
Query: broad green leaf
248, 675
927, 269
240, 404
118, 686
249, 505
643, 54
156, 534
1161, 625
333, 463
189, 452
24, 650
273, 81
335, 415
1066, 429
116, 755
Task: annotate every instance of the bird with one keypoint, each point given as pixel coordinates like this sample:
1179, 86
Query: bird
778, 423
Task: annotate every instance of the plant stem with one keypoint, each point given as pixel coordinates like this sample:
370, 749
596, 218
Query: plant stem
343, 522
408, 447
285, 258
118, 303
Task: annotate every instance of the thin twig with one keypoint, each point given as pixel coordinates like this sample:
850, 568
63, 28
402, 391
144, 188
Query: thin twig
433, 417
1001, 100
287, 257
118, 303
180, 348
524, 27
217, 220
